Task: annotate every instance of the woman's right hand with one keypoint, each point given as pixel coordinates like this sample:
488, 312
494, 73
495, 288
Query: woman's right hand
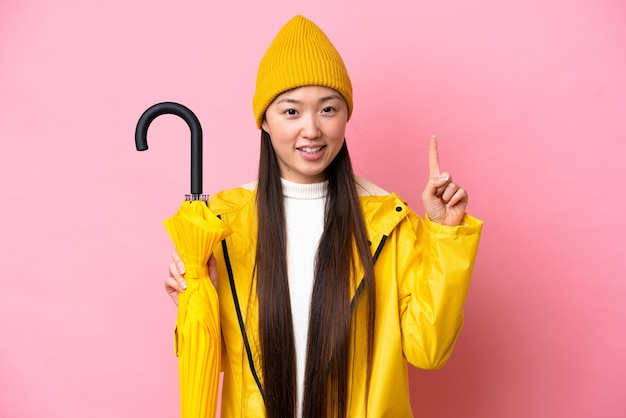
176, 284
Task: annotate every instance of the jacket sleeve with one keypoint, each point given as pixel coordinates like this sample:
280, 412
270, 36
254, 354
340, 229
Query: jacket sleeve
434, 267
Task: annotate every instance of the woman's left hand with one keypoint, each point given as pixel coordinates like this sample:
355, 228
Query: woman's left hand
444, 200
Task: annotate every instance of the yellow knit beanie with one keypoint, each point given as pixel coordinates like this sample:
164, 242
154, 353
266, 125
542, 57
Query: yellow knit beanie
300, 55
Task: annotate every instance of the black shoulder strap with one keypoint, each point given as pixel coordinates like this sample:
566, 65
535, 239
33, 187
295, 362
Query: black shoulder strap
242, 327
359, 289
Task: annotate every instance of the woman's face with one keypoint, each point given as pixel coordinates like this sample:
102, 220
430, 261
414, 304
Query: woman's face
307, 126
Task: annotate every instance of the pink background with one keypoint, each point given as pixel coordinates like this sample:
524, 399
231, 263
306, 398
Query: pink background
528, 98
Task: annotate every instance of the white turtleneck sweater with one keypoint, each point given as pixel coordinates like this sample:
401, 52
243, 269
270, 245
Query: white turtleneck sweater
304, 219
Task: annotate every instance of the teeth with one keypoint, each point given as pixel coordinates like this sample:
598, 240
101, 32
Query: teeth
310, 149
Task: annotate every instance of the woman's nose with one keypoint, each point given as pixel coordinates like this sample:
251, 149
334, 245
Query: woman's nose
310, 127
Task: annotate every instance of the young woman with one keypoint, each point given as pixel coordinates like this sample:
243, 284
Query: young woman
329, 285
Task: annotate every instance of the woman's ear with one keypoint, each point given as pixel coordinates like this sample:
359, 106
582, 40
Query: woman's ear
264, 125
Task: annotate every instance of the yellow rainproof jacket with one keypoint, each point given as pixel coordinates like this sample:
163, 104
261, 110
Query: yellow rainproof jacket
422, 273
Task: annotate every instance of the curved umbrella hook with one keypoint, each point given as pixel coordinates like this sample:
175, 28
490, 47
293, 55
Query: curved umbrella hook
141, 134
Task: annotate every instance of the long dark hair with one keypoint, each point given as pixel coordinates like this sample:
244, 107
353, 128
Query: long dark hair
326, 374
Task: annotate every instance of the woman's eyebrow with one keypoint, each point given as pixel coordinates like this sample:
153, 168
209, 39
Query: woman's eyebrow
331, 97
288, 100
321, 100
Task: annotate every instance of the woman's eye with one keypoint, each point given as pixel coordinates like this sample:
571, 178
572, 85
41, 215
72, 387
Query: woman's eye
290, 112
327, 109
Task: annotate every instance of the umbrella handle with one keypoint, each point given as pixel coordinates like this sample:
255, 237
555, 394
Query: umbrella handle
141, 134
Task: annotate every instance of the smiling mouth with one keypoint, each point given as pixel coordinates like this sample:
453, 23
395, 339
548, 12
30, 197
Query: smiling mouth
310, 150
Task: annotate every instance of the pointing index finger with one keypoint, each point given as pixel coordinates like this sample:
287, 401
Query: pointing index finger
433, 158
